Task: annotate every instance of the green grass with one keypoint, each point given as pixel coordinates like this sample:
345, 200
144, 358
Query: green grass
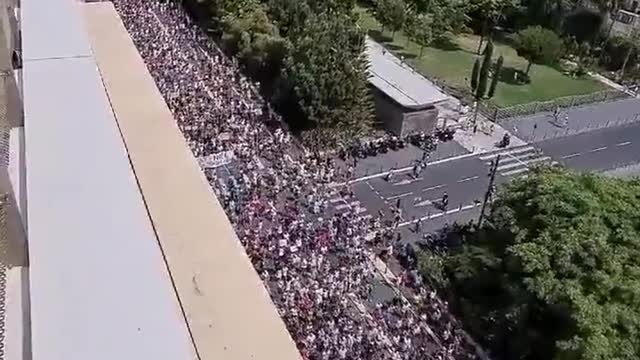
452, 61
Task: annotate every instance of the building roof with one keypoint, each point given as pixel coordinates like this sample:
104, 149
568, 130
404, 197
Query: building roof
398, 81
229, 311
99, 287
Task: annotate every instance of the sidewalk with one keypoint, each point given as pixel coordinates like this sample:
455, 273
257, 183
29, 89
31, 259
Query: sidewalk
485, 139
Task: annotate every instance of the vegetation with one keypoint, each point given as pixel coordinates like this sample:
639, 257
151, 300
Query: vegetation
450, 59
308, 55
538, 45
485, 69
554, 273
495, 78
391, 14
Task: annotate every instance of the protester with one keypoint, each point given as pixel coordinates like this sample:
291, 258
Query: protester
315, 263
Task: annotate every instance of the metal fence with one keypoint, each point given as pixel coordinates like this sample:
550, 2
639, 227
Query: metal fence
497, 114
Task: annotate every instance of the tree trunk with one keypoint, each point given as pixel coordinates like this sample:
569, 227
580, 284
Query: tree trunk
421, 48
624, 63
528, 68
393, 35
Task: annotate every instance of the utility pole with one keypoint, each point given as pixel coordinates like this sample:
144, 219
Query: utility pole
492, 174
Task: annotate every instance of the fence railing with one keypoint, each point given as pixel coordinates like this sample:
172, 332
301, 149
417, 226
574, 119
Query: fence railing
497, 114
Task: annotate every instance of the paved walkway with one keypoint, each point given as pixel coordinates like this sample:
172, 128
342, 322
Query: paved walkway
485, 139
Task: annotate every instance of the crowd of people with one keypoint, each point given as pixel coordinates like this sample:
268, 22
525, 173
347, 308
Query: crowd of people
315, 264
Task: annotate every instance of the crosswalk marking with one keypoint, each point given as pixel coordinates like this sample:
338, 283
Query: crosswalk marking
524, 163
507, 152
517, 161
515, 172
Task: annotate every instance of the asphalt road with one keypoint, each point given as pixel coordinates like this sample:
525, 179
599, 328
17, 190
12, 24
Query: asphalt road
542, 126
465, 178
598, 150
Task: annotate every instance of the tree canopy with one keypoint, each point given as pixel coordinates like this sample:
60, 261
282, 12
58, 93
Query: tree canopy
538, 45
555, 271
418, 29
308, 54
391, 14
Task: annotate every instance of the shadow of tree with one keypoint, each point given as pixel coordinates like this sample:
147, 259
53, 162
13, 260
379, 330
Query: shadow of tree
512, 76
378, 36
393, 47
446, 44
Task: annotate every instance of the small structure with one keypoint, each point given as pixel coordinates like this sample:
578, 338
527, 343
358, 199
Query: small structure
405, 101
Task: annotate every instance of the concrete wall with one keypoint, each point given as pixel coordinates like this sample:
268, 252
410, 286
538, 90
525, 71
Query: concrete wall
420, 121
401, 121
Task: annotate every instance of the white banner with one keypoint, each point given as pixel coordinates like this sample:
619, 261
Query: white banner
215, 160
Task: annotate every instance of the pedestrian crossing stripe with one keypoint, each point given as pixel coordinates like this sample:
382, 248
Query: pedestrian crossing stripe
521, 156
524, 163
507, 152
521, 170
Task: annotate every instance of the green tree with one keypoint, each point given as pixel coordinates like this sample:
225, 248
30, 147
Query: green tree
326, 74
418, 29
255, 41
391, 14
554, 273
490, 12
538, 46
475, 75
495, 77
634, 41
485, 69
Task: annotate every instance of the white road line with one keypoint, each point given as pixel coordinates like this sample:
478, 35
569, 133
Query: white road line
433, 187
407, 181
523, 163
440, 214
424, 203
508, 152
514, 172
399, 196
598, 149
468, 179
401, 170
571, 155
623, 143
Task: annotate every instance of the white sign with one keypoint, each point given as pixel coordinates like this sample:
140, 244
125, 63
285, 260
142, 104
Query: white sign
215, 160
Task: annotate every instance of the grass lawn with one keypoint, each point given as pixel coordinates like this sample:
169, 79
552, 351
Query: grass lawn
452, 61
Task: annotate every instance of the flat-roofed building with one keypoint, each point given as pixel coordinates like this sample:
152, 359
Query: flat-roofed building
130, 254
405, 101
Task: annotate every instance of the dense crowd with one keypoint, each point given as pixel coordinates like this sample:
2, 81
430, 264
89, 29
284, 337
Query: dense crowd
315, 263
